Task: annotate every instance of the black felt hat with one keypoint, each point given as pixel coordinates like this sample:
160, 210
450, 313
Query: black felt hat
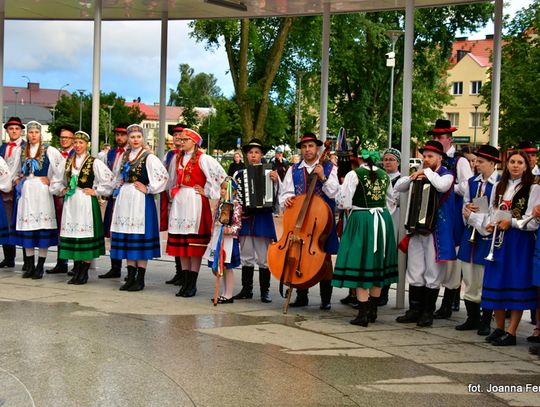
255, 142
14, 121
435, 146
488, 152
442, 127
309, 137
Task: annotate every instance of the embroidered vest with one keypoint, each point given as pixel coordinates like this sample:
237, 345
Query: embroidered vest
42, 163
300, 179
86, 174
136, 171
370, 194
520, 201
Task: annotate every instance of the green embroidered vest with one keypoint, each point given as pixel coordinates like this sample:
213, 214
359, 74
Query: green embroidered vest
86, 174
370, 194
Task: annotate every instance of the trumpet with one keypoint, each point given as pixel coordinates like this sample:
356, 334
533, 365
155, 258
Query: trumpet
497, 239
522, 223
472, 238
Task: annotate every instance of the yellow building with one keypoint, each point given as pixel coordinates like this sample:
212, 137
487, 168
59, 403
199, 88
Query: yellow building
470, 59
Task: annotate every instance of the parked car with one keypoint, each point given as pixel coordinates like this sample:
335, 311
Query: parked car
415, 163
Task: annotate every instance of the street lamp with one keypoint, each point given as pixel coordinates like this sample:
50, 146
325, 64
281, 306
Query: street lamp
475, 121
391, 62
60, 91
110, 125
53, 111
28, 85
81, 92
16, 99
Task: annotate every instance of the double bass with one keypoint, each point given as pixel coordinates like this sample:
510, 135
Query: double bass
297, 259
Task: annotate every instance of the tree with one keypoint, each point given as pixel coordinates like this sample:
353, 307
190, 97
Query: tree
520, 80
254, 50
68, 111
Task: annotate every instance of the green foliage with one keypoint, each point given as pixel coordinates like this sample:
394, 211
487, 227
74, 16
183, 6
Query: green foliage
68, 111
519, 117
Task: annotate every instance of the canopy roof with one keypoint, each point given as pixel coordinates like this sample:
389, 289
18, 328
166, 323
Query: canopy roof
197, 9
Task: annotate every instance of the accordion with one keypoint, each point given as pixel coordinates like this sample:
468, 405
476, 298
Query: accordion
422, 206
255, 187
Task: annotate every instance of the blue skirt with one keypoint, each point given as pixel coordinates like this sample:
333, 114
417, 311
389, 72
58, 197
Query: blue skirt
4, 225
42, 238
235, 257
137, 246
536, 263
508, 281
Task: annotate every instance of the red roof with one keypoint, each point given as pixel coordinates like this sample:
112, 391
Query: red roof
172, 113
146, 109
33, 93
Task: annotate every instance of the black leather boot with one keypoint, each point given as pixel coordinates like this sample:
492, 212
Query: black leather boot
264, 283
131, 277
325, 289
457, 299
9, 256
76, 272
362, 319
191, 285
25, 263
350, 299
473, 317
83, 273
373, 304
301, 298
430, 303
138, 285
383, 299
40, 269
416, 303
484, 329
29, 266
179, 277
247, 284
445, 311
61, 266
115, 271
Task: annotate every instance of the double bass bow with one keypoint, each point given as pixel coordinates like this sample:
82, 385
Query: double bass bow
298, 257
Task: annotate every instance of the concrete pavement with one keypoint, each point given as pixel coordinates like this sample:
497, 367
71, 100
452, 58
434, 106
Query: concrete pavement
92, 345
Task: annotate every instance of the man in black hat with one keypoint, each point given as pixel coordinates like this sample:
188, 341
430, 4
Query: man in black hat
295, 183
113, 160
256, 234
532, 152
11, 152
474, 248
66, 137
461, 170
169, 161
428, 254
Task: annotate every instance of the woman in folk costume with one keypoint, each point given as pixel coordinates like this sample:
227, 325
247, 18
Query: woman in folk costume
508, 280
223, 252
367, 255
198, 178
35, 222
5, 187
81, 229
134, 225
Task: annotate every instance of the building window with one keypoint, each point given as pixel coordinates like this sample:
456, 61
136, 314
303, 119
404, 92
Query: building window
477, 119
457, 88
475, 87
454, 119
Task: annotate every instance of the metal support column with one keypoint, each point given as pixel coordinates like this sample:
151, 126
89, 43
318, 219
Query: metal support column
163, 85
2, 66
324, 70
96, 65
496, 76
405, 137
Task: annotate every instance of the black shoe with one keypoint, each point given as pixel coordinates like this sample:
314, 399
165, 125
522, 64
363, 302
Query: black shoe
473, 317
246, 293
138, 285
426, 319
373, 304
265, 297
534, 338
362, 319
325, 307
7, 263
457, 300
505, 340
445, 311
383, 298
497, 333
411, 316
416, 303
82, 277
131, 277
223, 300
430, 300
112, 273
76, 272
349, 300
40, 269
534, 350
301, 299
59, 268
190, 289
29, 267
177, 278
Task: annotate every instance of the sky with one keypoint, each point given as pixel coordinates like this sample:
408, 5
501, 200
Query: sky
130, 55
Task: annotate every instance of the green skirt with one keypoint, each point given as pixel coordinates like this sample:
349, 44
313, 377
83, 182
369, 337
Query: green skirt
358, 265
85, 248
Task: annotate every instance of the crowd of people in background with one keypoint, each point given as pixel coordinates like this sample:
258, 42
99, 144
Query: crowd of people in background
482, 242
